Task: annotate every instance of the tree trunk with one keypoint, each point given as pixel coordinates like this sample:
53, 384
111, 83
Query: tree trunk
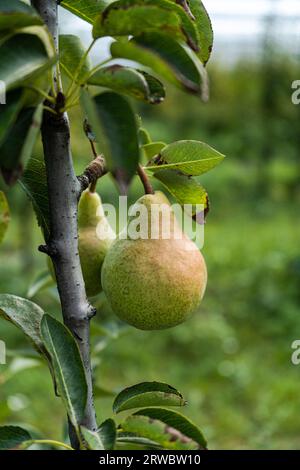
64, 190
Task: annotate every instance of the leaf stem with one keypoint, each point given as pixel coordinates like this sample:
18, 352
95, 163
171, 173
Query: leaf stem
42, 93
78, 69
50, 110
51, 443
98, 66
72, 90
145, 180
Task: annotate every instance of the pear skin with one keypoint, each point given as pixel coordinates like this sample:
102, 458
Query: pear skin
154, 284
91, 246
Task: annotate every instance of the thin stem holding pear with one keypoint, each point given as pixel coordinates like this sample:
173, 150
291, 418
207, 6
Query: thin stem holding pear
145, 180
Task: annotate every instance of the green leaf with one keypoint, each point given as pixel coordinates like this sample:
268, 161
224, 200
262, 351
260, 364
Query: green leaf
19, 143
68, 367
34, 183
147, 394
166, 57
152, 149
119, 20
191, 157
144, 136
10, 111
12, 146
4, 215
92, 439
15, 14
204, 27
157, 431
44, 442
156, 88
114, 124
23, 57
41, 282
134, 17
25, 315
86, 9
175, 420
32, 134
108, 433
130, 438
129, 81
186, 190
11, 437
71, 55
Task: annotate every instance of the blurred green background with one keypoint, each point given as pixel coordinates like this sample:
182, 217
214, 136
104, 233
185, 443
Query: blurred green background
232, 361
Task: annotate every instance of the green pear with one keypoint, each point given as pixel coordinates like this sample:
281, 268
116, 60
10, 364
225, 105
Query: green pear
154, 283
95, 236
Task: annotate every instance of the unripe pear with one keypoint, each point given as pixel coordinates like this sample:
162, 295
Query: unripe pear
154, 283
95, 236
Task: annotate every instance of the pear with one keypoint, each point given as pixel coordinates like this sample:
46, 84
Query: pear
95, 236
154, 283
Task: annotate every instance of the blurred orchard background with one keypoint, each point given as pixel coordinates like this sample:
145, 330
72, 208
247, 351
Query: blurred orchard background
232, 361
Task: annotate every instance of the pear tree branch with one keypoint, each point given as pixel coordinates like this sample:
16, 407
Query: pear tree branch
64, 189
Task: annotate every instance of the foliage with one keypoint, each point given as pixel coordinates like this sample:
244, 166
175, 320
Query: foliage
29, 53
228, 359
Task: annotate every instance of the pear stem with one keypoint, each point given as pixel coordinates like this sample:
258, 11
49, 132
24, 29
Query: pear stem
145, 180
93, 187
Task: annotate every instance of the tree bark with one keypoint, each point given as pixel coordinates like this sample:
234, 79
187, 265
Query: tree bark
64, 190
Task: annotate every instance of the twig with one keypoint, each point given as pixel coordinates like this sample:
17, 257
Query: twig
62, 245
145, 180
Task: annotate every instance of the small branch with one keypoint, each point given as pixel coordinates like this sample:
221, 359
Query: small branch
48, 250
92, 173
98, 67
42, 93
79, 67
145, 180
62, 244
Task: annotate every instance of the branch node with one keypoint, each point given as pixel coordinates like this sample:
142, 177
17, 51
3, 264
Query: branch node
84, 183
92, 311
49, 250
92, 173
60, 102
